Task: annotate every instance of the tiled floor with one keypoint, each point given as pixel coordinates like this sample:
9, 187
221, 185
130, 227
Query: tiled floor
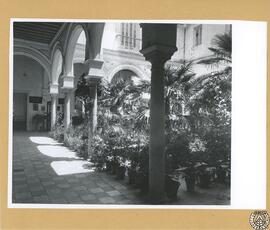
46, 172
39, 178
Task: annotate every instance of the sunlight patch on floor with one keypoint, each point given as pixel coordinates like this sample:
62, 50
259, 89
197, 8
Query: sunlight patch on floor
44, 141
71, 167
57, 151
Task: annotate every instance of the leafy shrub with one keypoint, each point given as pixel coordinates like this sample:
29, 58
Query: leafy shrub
57, 131
77, 139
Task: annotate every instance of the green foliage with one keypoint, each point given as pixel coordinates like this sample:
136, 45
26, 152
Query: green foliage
57, 131
76, 139
221, 49
197, 110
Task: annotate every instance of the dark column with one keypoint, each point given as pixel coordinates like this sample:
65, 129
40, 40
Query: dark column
157, 130
158, 46
94, 74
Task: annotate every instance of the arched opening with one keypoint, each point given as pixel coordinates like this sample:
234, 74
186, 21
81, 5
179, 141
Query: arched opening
127, 70
76, 53
30, 94
55, 105
75, 49
35, 55
124, 75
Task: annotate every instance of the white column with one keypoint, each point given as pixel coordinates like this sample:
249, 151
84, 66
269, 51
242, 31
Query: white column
53, 110
54, 94
67, 88
67, 110
92, 115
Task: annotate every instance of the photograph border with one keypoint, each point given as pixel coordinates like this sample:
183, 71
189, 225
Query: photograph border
147, 218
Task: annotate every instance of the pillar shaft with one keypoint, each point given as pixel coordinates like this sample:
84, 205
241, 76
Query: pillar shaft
157, 136
67, 110
92, 116
53, 111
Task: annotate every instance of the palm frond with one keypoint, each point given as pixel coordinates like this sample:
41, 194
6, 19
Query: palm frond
221, 49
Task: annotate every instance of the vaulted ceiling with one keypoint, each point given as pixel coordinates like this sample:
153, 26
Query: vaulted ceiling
42, 32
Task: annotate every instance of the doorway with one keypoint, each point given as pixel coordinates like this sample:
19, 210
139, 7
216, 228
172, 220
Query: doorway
19, 111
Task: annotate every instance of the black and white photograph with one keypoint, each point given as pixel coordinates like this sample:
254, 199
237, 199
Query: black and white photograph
121, 113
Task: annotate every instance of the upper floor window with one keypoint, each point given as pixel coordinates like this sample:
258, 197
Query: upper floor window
197, 34
128, 35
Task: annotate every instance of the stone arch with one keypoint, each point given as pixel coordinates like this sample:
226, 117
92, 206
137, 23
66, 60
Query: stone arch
57, 66
132, 68
35, 55
57, 46
74, 32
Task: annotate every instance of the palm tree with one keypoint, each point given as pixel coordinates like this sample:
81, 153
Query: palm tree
212, 95
221, 49
129, 97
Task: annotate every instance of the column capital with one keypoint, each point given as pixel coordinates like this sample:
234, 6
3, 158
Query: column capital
67, 83
96, 63
93, 80
54, 89
158, 53
158, 41
94, 70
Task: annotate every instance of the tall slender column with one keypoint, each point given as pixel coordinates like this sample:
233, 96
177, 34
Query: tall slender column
157, 128
54, 93
67, 109
94, 109
67, 88
53, 110
93, 113
94, 71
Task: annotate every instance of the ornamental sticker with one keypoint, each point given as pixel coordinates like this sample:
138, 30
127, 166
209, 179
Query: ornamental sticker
259, 220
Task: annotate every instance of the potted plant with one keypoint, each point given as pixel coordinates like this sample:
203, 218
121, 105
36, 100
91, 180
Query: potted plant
142, 168
171, 186
131, 169
121, 168
223, 171
205, 174
189, 175
171, 179
110, 167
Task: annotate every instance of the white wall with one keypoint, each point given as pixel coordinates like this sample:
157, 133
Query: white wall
30, 77
191, 52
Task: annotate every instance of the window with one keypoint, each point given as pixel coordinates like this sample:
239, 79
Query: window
197, 33
128, 35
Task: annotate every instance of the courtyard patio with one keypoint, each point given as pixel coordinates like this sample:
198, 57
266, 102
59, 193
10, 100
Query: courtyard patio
46, 172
